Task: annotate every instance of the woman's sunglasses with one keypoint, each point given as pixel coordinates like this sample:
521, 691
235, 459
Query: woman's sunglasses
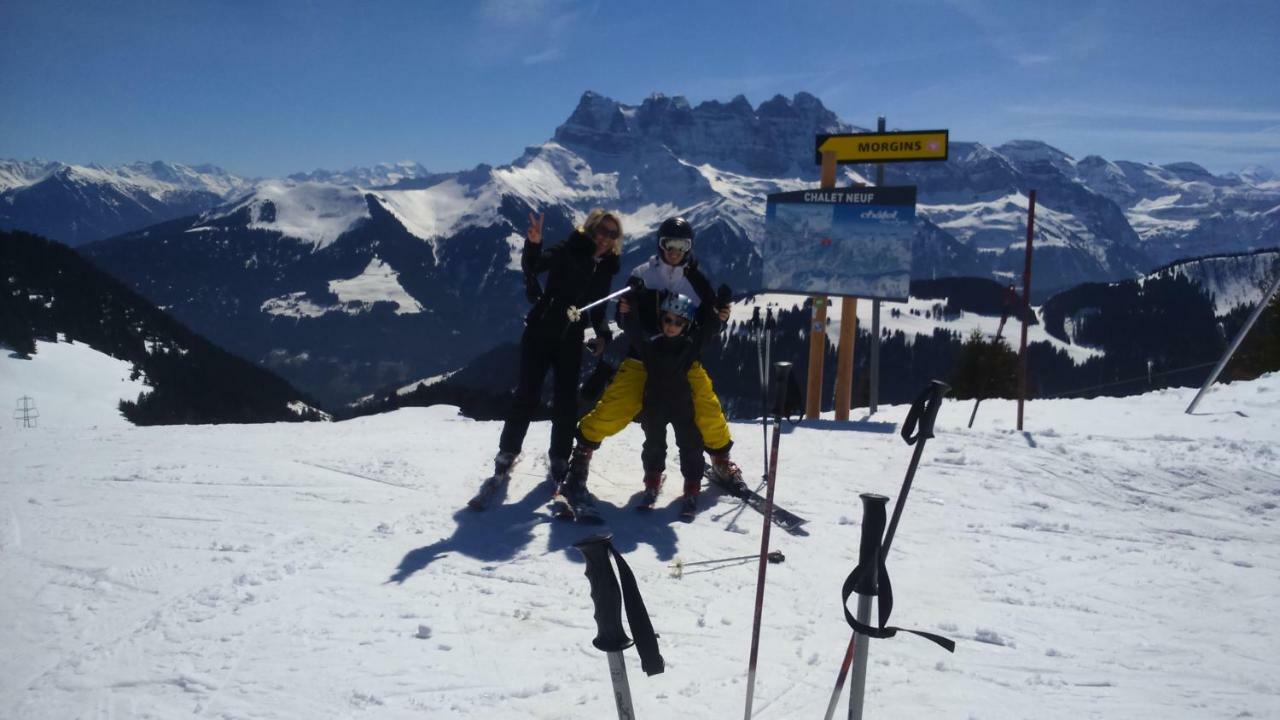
607, 233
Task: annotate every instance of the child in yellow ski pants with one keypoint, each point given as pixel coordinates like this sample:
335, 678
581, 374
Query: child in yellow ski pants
624, 397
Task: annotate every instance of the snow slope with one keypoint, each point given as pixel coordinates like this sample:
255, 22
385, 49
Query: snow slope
1119, 559
72, 386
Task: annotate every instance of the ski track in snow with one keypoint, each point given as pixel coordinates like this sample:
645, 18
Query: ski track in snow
1119, 559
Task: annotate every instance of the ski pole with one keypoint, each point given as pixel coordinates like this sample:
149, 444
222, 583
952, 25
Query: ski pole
677, 567
575, 313
781, 374
1004, 317
610, 637
920, 419
869, 556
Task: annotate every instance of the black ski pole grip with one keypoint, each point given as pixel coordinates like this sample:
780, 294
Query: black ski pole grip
605, 595
778, 387
924, 411
723, 296
873, 516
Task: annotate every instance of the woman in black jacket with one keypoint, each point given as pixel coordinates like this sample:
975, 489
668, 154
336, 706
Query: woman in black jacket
579, 271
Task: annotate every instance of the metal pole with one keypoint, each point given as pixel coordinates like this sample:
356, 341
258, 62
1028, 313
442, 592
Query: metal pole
607, 599
1026, 307
929, 402
983, 390
779, 380
621, 688
869, 558
1235, 344
874, 400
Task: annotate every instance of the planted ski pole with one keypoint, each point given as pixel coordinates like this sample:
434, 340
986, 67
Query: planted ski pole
867, 586
1011, 299
608, 601
575, 313
916, 430
781, 376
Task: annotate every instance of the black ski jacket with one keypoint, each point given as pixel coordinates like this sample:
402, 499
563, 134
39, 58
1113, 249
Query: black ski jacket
574, 278
667, 361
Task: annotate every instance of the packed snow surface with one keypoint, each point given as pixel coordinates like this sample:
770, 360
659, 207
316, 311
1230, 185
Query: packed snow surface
1118, 559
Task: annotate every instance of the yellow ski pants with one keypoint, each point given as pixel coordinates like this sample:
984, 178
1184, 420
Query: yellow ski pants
624, 397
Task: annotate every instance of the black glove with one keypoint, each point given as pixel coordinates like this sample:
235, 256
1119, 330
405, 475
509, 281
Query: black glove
724, 296
635, 283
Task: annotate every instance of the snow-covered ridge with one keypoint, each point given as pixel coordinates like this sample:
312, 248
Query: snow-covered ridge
1233, 281
157, 179
378, 282
315, 213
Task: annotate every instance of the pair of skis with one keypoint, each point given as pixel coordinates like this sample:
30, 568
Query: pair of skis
494, 489
585, 510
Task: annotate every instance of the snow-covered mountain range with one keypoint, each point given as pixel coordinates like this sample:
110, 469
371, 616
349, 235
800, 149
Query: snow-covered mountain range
442, 249
77, 204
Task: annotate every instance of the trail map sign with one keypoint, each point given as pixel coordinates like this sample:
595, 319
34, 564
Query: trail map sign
883, 147
854, 242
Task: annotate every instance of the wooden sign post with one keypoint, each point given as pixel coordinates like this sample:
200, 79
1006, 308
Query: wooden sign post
818, 319
880, 147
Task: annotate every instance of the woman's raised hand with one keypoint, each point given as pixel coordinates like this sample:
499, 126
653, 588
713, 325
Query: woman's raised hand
534, 233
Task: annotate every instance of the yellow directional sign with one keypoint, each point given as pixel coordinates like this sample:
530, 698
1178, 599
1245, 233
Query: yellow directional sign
884, 147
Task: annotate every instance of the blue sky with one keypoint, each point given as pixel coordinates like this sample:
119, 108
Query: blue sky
268, 88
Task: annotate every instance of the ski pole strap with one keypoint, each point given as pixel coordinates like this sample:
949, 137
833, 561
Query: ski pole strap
924, 410
609, 601
884, 601
638, 619
871, 577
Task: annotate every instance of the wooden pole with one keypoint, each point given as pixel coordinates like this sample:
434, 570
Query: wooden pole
844, 360
818, 323
1026, 307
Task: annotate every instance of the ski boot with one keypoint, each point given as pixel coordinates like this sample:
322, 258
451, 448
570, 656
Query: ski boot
572, 500
652, 486
689, 501
495, 484
727, 474
557, 469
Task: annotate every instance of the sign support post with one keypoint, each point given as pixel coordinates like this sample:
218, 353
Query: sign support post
879, 148
873, 399
818, 323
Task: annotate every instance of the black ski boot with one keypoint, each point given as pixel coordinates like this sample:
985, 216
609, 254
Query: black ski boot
557, 470
652, 486
572, 500
496, 484
689, 501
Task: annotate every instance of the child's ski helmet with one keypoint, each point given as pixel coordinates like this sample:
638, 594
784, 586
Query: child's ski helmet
679, 305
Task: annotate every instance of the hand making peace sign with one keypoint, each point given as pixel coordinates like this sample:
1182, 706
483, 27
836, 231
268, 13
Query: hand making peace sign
534, 233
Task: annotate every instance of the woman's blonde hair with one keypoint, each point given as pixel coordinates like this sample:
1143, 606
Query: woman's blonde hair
597, 216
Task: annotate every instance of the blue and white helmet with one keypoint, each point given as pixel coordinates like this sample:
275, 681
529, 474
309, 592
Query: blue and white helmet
680, 305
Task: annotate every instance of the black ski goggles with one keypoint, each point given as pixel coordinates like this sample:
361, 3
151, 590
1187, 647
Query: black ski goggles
675, 244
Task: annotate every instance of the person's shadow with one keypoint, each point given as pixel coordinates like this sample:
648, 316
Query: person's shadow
496, 533
501, 531
630, 529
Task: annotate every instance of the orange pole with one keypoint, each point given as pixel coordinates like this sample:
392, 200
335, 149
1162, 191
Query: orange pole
844, 358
